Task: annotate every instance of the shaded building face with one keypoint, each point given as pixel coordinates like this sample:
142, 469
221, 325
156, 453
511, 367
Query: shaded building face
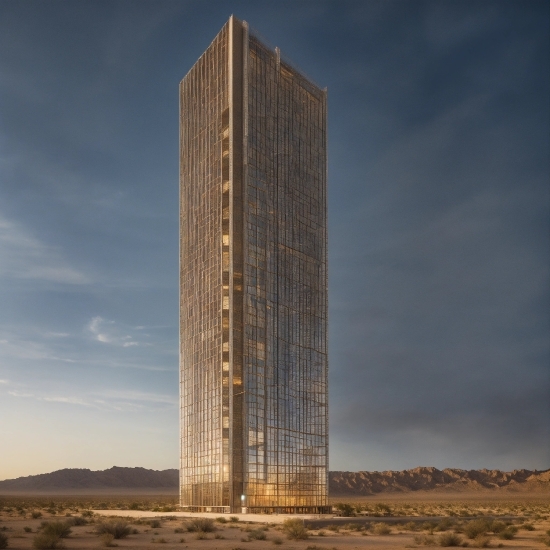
253, 281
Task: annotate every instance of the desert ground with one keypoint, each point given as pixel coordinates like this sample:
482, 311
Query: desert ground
514, 522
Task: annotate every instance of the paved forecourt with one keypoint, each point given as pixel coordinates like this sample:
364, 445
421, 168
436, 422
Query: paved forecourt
254, 518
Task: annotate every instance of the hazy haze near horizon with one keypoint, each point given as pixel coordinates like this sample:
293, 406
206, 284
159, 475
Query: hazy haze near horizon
438, 225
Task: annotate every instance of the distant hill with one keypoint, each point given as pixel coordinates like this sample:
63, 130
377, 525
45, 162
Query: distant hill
118, 480
114, 480
449, 480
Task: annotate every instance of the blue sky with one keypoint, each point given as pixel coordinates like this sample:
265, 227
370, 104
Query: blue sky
438, 227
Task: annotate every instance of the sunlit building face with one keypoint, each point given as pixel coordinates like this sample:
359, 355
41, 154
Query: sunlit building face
253, 282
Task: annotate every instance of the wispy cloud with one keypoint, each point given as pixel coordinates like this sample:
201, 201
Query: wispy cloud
33, 344
68, 400
3, 381
16, 393
23, 256
107, 400
109, 332
25, 346
140, 396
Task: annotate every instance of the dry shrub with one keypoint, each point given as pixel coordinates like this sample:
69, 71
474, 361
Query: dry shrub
295, 529
257, 534
201, 525
482, 541
77, 520
107, 539
444, 524
425, 540
118, 529
46, 541
347, 510
382, 509
381, 529
477, 527
507, 534
221, 519
3, 541
59, 529
498, 526
449, 539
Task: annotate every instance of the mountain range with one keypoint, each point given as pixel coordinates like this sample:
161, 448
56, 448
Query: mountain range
341, 484
449, 480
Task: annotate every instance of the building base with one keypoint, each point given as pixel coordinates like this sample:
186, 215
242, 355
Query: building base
259, 509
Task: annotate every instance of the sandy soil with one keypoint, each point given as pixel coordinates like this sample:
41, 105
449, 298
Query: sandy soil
530, 517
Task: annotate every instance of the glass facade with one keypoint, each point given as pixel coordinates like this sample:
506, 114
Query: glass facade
253, 282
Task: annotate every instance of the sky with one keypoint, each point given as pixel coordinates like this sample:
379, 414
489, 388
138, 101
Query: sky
439, 226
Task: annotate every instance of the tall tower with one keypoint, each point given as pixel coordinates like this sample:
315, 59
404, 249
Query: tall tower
253, 282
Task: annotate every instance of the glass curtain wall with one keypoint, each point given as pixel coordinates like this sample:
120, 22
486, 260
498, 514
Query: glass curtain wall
286, 286
253, 282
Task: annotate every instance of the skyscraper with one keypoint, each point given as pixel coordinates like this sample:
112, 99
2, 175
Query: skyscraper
253, 281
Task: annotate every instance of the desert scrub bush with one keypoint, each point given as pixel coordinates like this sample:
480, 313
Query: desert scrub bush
507, 534
221, 519
477, 527
334, 528
155, 524
527, 527
201, 525
277, 540
444, 524
77, 520
295, 529
46, 541
497, 526
3, 541
381, 529
59, 529
410, 526
234, 519
119, 529
382, 509
257, 534
482, 541
449, 539
425, 540
35, 514
107, 539
346, 510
